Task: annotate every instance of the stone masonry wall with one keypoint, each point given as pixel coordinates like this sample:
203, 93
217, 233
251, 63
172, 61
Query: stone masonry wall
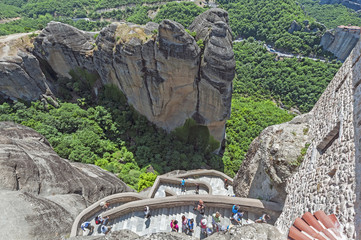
326, 179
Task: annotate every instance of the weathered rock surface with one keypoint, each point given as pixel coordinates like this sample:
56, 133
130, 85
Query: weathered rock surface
20, 73
159, 67
41, 193
340, 42
256, 231
163, 75
217, 70
271, 160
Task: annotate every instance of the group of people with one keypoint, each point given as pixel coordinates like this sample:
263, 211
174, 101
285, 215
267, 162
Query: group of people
207, 228
183, 187
99, 220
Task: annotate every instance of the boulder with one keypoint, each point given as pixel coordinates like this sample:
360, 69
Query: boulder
42, 193
255, 231
294, 27
271, 159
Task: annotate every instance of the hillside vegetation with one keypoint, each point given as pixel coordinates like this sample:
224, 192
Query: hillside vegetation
111, 134
270, 20
332, 15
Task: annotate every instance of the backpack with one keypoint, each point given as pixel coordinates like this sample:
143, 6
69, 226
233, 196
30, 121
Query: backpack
97, 220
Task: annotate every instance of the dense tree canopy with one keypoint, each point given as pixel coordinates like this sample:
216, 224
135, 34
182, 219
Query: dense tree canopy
296, 82
332, 15
270, 20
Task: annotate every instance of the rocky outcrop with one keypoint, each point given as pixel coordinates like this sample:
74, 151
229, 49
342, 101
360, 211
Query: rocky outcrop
216, 71
20, 73
341, 41
271, 159
256, 231
160, 68
41, 193
294, 27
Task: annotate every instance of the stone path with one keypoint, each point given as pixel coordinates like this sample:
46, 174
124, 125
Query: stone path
128, 214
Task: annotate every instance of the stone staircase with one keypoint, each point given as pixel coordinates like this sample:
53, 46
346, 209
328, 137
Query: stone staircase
177, 190
167, 202
161, 218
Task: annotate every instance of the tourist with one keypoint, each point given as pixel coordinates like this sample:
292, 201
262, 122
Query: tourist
226, 183
87, 226
105, 220
105, 229
98, 220
174, 225
104, 205
190, 225
263, 219
237, 217
197, 188
216, 221
200, 207
203, 227
184, 224
235, 209
209, 230
146, 212
183, 185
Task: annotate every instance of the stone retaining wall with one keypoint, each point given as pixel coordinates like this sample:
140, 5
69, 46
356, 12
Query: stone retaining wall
326, 179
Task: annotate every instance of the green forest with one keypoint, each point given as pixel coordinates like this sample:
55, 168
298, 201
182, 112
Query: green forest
332, 15
106, 131
295, 82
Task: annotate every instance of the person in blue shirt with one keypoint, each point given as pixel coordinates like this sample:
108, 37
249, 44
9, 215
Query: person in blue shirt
87, 225
183, 183
235, 209
105, 229
190, 225
238, 217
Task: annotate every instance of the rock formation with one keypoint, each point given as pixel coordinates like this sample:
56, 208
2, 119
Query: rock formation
341, 41
272, 157
161, 69
256, 231
20, 73
40, 192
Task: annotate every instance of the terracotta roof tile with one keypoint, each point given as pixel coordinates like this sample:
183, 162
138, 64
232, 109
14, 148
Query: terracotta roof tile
318, 226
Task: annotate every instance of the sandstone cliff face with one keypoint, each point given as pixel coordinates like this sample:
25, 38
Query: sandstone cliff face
271, 159
164, 75
20, 73
41, 193
340, 42
216, 72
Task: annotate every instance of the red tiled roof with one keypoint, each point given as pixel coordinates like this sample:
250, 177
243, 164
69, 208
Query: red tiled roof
317, 226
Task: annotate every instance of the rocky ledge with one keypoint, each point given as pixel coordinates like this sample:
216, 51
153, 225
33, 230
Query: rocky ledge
41, 193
